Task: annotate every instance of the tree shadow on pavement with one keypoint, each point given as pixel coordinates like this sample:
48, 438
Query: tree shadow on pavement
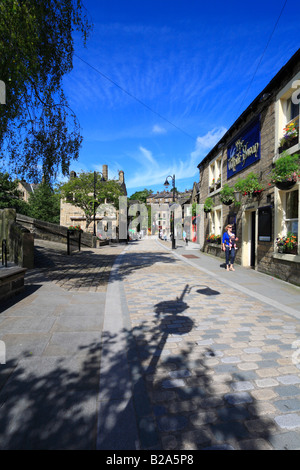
163, 377
179, 402
89, 268
50, 403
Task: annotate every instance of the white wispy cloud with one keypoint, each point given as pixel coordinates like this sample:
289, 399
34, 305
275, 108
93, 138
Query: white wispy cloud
158, 129
150, 170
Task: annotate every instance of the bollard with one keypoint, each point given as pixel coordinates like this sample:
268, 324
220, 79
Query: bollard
4, 253
71, 232
68, 242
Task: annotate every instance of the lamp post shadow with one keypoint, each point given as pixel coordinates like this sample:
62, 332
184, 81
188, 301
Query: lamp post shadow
171, 322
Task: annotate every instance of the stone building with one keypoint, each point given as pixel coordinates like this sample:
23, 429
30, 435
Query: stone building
26, 189
160, 205
106, 214
252, 145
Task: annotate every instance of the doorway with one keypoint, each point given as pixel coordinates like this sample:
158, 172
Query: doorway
253, 239
249, 238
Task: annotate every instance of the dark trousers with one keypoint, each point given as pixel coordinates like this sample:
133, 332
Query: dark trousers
229, 255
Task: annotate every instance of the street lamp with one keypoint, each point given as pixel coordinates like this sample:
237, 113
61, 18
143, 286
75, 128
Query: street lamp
167, 184
95, 181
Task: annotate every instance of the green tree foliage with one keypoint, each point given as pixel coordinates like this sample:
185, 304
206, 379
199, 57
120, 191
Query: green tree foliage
44, 204
39, 133
141, 196
10, 196
79, 191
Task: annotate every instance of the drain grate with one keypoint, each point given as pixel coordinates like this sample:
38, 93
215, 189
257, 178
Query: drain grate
190, 256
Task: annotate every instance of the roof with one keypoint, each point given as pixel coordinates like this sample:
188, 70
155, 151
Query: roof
30, 188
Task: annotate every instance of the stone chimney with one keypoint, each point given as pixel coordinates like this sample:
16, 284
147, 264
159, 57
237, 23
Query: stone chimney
105, 172
121, 176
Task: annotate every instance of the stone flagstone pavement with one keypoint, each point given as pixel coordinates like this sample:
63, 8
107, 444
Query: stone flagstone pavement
211, 367
137, 347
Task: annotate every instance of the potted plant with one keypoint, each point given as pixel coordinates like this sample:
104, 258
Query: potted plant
218, 182
213, 239
280, 244
208, 204
290, 136
212, 185
287, 244
291, 243
286, 171
227, 195
74, 228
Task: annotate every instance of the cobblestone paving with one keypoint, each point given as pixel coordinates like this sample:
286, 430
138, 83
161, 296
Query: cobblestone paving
80, 271
217, 364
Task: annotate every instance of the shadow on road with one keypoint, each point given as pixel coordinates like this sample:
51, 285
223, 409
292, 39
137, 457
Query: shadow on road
47, 403
178, 403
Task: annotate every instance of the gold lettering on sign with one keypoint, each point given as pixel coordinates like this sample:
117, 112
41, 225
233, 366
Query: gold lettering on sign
242, 152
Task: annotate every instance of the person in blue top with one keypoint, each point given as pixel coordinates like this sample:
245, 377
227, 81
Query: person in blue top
229, 247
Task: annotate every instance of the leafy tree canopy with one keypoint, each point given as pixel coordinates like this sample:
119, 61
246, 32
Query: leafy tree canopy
10, 195
141, 196
44, 204
39, 133
79, 191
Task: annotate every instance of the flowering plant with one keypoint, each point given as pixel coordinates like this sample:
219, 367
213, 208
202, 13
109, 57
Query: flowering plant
290, 131
249, 185
75, 227
213, 238
287, 242
212, 184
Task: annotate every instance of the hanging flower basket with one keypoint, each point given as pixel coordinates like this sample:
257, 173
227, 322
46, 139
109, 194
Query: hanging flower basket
227, 203
286, 171
208, 205
227, 195
285, 185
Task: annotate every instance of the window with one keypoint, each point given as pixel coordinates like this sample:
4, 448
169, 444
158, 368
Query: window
291, 212
215, 224
214, 174
292, 109
287, 115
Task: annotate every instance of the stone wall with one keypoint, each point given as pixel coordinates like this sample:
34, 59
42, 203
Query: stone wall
52, 232
19, 240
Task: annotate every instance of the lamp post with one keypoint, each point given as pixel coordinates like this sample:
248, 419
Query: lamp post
167, 184
95, 181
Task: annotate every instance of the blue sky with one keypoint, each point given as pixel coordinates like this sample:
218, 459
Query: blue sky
171, 77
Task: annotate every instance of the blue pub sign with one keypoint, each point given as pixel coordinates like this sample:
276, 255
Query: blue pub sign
245, 150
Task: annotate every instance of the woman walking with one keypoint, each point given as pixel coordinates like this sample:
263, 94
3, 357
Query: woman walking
229, 247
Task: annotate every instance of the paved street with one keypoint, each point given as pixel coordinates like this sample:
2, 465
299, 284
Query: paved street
187, 355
